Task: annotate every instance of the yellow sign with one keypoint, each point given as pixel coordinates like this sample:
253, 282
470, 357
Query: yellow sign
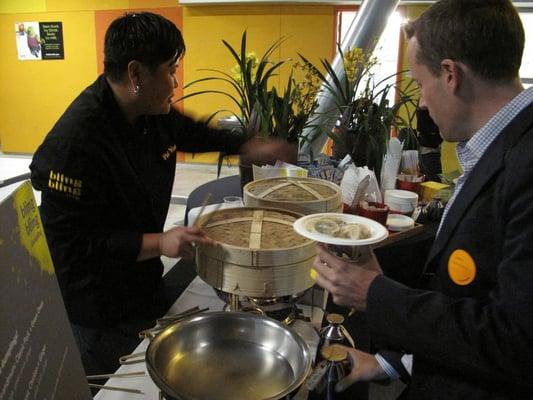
461, 267
30, 227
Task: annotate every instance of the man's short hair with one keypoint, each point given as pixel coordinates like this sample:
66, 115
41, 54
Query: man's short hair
485, 35
146, 37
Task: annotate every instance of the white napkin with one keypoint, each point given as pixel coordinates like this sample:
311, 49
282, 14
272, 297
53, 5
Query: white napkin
391, 164
351, 179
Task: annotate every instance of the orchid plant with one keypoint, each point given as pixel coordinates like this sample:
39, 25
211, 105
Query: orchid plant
366, 117
261, 109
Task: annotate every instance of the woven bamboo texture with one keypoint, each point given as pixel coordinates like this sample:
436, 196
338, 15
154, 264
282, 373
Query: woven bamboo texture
259, 254
302, 195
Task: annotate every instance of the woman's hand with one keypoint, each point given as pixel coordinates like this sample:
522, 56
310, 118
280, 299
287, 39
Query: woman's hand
180, 242
176, 242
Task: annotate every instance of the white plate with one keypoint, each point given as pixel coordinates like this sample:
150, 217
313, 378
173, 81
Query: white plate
399, 222
378, 231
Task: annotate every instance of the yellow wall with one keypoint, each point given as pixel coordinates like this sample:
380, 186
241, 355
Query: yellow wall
307, 29
9, 6
34, 94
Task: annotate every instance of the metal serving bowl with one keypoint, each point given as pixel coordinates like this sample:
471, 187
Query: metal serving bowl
222, 355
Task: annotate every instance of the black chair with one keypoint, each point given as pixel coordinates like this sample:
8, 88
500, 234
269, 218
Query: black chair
219, 188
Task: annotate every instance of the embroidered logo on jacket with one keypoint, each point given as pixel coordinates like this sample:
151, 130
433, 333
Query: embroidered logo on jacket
61, 183
171, 150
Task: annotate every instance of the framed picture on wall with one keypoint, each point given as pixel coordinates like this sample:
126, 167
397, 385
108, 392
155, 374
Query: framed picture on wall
39, 40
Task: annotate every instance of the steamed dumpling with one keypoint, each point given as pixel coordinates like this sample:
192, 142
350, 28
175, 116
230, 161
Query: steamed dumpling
337, 228
325, 226
354, 231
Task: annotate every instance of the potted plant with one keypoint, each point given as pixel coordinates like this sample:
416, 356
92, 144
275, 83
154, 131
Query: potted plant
261, 109
248, 82
366, 117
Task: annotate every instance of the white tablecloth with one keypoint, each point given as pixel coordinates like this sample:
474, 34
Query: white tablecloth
200, 294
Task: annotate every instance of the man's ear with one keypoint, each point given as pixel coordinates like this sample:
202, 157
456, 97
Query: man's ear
134, 73
452, 74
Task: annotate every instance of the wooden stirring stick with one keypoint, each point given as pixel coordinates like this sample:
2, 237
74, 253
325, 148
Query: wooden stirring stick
202, 209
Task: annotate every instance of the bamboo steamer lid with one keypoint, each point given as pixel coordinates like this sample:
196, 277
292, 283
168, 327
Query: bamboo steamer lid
303, 195
259, 254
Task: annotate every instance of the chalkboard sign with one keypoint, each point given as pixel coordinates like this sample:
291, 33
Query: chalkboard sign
38, 356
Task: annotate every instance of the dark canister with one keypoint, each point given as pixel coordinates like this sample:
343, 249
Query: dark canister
335, 333
333, 367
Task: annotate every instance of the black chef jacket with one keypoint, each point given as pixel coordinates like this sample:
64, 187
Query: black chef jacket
104, 183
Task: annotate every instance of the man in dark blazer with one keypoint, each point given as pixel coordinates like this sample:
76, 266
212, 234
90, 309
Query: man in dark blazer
467, 330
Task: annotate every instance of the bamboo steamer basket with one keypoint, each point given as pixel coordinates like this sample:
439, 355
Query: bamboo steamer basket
302, 195
260, 254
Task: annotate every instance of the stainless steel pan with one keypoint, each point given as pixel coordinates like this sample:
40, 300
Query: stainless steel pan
222, 355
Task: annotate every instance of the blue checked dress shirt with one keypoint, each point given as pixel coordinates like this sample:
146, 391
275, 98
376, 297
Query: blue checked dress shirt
470, 151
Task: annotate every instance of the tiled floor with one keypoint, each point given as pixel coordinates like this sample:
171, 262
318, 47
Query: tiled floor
13, 165
190, 176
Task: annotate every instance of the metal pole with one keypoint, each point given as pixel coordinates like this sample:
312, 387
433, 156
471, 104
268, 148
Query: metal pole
364, 32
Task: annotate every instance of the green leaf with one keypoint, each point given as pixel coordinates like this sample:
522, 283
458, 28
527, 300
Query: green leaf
262, 109
228, 78
336, 82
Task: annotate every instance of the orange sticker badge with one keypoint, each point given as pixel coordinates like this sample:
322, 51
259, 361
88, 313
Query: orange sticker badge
461, 267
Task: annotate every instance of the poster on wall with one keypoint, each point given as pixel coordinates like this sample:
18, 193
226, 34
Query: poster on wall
39, 40
39, 358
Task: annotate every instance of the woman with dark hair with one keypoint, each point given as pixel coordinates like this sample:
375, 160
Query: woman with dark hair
106, 171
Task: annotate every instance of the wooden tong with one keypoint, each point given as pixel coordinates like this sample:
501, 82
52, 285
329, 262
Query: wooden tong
115, 388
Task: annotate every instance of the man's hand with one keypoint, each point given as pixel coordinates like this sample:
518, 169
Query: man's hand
347, 281
364, 368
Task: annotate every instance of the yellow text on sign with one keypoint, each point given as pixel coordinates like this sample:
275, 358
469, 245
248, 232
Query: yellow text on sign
31, 229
